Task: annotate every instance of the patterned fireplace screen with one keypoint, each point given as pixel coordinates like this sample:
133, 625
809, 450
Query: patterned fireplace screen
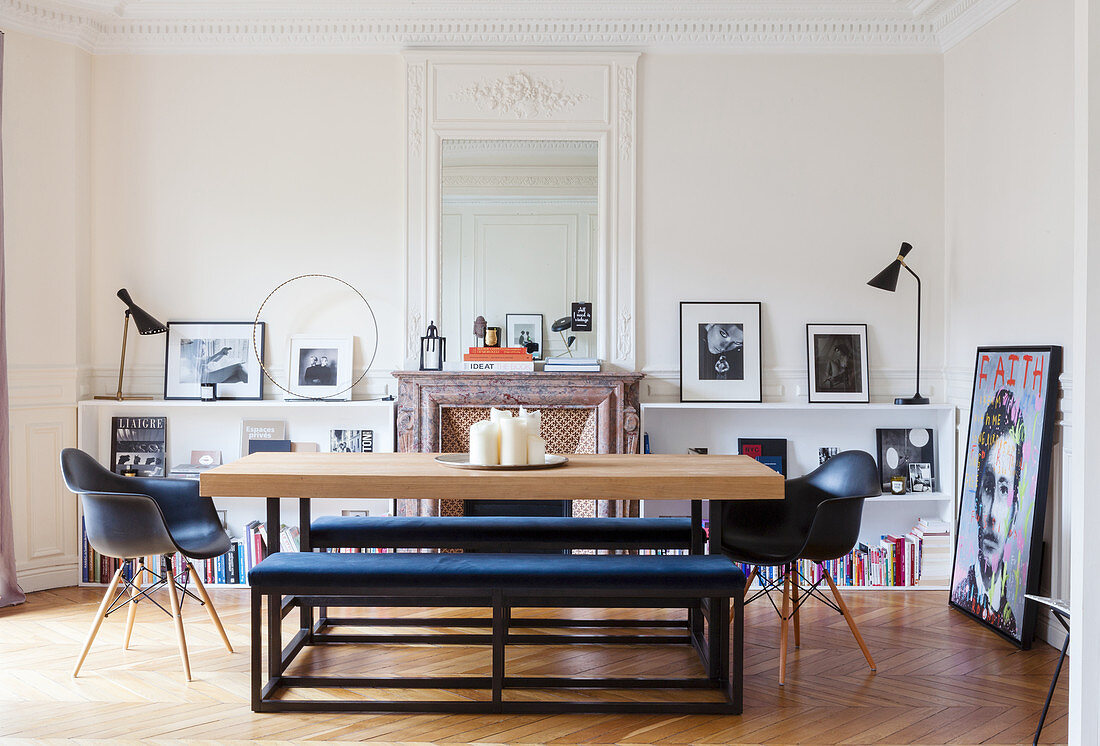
565, 429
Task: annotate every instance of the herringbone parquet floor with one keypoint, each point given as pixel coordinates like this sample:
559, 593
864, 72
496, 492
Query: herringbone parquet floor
941, 679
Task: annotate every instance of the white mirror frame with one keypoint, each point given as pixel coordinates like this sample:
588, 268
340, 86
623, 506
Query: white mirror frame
523, 96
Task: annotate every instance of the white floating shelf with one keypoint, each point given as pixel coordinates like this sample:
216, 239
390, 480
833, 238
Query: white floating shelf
803, 406
911, 497
233, 403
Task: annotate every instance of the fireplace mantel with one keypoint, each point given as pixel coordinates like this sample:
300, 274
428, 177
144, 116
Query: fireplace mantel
423, 395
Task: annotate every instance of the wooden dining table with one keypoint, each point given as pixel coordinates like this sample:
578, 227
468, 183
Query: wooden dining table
337, 476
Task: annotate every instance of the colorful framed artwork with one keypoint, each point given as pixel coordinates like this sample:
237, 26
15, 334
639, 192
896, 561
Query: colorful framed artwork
720, 345
1002, 503
218, 352
836, 363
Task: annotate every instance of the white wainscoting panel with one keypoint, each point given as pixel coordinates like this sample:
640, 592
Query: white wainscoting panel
42, 422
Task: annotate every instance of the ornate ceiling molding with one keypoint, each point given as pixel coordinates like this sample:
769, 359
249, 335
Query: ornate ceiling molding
175, 26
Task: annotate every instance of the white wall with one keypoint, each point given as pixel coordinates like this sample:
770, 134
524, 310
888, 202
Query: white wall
46, 233
1008, 99
218, 177
791, 180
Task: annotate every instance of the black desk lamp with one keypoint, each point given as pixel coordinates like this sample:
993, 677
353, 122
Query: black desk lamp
561, 326
145, 324
887, 279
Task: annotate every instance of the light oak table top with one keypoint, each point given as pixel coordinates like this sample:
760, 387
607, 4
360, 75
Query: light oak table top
419, 476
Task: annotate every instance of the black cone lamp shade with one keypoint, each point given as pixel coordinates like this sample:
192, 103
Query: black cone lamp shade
143, 320
146, 324
887, 280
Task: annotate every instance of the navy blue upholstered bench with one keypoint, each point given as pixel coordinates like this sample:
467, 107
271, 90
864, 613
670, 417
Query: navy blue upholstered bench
515, 534
499, 582
501, 533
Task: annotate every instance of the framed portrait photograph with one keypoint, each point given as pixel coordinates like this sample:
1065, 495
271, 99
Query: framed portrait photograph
1002, 503
217, 352
836, 358
321, 367
720, 351
524, 330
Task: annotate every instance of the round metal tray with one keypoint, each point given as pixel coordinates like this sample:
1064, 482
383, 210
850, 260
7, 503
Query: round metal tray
462, 461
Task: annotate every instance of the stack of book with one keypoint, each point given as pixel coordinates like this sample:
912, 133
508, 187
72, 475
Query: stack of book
500, 359
937, 555
572, 364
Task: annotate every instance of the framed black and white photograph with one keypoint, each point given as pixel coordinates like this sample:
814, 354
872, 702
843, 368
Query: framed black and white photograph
899, 447
321, 367
524, 330
720, 351
217, 352
920, 477
836, 357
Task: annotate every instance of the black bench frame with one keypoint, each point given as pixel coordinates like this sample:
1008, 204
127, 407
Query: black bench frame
721, 651
715, 651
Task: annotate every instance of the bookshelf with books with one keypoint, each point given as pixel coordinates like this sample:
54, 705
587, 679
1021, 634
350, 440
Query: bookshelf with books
199, 435
926, 518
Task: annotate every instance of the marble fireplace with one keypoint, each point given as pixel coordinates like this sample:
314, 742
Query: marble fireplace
582, 413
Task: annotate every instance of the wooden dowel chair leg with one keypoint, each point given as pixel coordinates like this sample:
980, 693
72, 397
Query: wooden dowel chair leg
784, 618
201, 589
848, 618
177, 617
794, 607
752, 577
131, 613
100, 615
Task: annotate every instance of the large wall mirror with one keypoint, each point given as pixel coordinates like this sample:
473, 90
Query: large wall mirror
519, 236
521, 196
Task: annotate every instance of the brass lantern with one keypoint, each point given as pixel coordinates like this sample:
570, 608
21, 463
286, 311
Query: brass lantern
433, 349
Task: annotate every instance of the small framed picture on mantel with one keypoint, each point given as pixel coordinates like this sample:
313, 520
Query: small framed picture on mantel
836, 360
720, 351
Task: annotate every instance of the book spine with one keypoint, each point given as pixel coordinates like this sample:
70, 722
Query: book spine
499, 366
518, 356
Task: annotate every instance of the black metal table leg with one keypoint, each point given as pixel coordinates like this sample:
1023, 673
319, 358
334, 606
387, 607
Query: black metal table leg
305, 518
695, 613
1057, 673
273, 518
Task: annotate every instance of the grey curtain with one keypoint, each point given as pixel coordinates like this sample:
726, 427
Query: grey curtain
10, 592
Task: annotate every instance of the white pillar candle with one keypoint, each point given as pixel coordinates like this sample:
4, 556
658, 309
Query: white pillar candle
536, 450
496, 415
513, 441
534, 420
485, 443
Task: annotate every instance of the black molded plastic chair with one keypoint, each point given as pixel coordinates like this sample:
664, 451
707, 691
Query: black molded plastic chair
134, 517
818, 520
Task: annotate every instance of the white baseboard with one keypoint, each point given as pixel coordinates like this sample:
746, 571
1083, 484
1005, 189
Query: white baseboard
44, 578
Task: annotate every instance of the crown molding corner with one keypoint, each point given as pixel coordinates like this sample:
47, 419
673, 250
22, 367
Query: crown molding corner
965, 17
